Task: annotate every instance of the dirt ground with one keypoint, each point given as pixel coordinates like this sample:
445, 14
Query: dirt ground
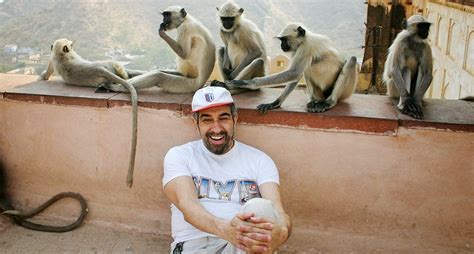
86, 239
94, 239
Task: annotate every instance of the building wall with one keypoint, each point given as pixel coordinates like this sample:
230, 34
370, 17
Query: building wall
355, 182
451, 38
387, 16
279, 63
452, 41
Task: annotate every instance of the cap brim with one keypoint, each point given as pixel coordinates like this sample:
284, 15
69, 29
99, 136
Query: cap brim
212, 106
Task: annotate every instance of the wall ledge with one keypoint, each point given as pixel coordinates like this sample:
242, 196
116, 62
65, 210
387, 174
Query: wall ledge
360, 114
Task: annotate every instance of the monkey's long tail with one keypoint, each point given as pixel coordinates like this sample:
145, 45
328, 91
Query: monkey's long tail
20, 218
133, 149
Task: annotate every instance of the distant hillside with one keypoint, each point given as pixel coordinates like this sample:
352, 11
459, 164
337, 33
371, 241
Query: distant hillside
98, 25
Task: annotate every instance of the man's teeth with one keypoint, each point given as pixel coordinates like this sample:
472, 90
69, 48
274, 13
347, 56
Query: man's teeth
217, 137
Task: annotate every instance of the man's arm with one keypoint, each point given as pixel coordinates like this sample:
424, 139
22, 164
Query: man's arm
182, 193
281, 228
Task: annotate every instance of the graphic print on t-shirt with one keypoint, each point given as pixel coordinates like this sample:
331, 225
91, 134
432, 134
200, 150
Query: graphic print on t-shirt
213, 189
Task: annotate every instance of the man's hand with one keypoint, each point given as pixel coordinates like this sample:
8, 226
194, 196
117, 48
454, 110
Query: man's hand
257, 236
249, 233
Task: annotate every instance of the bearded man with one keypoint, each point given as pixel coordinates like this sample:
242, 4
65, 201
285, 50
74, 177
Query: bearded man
225, 195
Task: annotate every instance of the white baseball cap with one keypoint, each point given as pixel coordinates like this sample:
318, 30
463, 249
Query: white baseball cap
210, 97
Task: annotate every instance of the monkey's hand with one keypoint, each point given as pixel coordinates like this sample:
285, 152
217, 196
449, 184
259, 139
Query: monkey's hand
162, 29
218, 84
228, 72
263, 108
413, 108
233, 75
42, 76
232, 84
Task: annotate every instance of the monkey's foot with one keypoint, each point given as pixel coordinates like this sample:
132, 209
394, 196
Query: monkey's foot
218, 83
102, 89
318, 106
413, 109
263, 108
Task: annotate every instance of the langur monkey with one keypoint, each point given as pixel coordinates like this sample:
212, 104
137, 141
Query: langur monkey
20, 218
243, 55
195, 60
76, 71
329, 79
409, 66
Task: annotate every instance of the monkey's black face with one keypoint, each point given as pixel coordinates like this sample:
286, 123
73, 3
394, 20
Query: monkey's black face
423, 30
167, 18
285, 45
228, 22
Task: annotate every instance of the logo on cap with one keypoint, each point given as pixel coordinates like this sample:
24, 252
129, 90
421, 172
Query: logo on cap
209, 97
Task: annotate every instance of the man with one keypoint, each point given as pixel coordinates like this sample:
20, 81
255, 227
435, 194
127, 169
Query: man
209, 182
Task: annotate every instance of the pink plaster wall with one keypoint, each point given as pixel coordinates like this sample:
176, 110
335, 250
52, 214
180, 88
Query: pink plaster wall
418, 180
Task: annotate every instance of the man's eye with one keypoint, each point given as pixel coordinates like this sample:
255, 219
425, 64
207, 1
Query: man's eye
206, 120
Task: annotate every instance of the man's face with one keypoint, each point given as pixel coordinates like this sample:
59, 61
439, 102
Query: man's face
216, 127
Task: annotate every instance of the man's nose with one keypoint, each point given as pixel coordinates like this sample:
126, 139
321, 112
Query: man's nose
216, 127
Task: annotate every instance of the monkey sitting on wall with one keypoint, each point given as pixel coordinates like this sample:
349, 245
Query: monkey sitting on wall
20, 218
329, 79
244, 54
76, 71
409, 66
195, 56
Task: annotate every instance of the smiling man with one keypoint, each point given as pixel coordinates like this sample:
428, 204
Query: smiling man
225, 195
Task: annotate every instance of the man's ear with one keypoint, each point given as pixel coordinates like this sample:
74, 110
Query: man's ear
236, 118
196, 122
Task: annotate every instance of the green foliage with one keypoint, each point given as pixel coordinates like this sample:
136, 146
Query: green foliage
9, 67
98, 26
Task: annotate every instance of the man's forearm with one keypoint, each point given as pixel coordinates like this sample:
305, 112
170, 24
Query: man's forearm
200, 218
182, 194
281, 233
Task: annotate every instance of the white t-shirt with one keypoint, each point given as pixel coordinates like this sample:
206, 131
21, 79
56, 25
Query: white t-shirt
224, 182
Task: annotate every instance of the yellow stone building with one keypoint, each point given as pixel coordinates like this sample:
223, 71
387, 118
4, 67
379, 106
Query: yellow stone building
451, 38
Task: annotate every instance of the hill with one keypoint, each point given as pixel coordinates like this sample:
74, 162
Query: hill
100, 25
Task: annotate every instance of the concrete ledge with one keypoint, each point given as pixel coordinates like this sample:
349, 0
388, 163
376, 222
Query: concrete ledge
361, 113
402, 190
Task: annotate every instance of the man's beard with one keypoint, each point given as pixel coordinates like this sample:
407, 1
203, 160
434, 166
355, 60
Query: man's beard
220, 148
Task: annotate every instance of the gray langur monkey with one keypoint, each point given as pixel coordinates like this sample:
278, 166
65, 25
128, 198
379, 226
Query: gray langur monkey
195, 60
243, 55
329, 79
409, 66
74, 70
